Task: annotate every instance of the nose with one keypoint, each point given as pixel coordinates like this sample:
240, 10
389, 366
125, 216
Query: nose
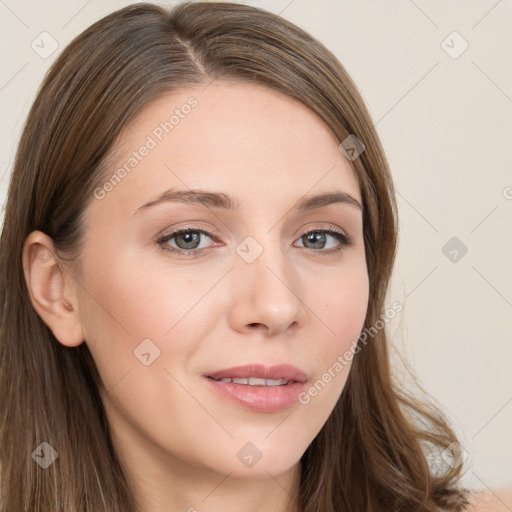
267, 295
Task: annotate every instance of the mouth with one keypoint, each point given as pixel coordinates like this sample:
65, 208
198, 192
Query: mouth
255, 381
258, 387
260, 375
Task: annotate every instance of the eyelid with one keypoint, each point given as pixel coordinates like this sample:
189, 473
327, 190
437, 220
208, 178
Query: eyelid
161, 240
323, 227
344, 239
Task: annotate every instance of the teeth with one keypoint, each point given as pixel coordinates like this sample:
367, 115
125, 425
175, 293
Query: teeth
255, 381
274, 382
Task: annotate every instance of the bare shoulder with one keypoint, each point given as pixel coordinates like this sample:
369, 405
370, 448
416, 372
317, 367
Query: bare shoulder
499, 500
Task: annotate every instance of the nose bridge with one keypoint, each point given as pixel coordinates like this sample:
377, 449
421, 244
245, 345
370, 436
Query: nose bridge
267, 287
265, 260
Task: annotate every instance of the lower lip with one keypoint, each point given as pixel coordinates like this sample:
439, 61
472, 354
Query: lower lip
259, 398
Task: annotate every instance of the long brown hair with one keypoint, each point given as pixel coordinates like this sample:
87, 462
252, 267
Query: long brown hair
370, 455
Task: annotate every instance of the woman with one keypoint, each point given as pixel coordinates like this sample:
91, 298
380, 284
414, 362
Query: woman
198, 241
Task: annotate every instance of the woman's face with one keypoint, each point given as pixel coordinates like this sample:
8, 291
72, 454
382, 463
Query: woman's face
252, 290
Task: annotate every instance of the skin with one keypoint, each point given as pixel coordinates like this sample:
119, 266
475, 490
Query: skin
294, 304
498, 500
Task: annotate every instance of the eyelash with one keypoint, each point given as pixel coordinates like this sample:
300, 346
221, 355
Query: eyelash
345, 241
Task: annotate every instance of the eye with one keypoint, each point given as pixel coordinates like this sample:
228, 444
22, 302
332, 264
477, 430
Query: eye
188, 241
318, 237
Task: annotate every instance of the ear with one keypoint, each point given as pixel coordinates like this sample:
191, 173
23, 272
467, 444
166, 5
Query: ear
52, 289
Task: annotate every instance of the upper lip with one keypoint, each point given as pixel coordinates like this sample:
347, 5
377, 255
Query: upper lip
260, 371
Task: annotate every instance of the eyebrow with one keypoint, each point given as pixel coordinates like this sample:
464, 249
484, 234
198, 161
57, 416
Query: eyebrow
223, 201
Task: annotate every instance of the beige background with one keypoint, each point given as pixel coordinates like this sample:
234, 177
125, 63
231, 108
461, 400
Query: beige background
445, 123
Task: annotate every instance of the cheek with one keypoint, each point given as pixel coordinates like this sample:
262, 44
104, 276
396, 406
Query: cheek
342, 306
344, 298
134, 299
138, 299
121, 305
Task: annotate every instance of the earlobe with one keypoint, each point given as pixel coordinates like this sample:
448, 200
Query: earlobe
52, 292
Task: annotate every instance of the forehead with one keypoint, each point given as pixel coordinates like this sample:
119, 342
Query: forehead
245, 138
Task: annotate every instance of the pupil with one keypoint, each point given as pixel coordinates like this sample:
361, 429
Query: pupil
319, 238
191, 239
